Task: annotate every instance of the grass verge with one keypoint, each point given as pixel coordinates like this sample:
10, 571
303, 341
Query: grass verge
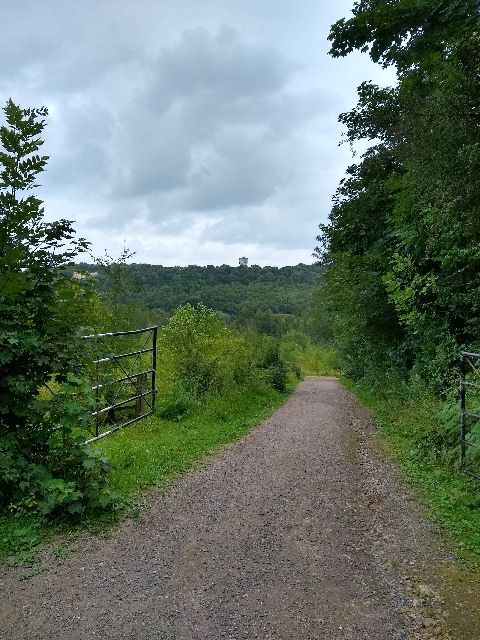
149, 454
421, 434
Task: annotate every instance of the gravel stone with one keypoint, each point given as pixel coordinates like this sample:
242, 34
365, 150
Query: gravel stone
296, 531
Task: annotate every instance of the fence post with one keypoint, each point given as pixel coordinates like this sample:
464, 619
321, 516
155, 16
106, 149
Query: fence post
97, 383
141, 386
462, 412
154, 367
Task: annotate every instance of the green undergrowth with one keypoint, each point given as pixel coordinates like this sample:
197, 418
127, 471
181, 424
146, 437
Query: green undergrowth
148, 454
317, 361
421, 434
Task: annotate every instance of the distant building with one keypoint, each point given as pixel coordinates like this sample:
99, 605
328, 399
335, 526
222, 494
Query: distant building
243, 261
78, 275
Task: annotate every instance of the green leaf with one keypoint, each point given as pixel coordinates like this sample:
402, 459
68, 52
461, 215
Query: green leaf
75, 507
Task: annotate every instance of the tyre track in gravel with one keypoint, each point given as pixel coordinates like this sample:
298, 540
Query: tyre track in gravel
293, 532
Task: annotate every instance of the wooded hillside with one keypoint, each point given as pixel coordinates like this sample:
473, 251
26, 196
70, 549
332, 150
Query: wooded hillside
224, 288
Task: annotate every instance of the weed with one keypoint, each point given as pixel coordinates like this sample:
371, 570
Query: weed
61, 552
35, 571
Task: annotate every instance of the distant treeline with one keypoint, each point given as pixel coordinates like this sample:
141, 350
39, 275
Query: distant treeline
226, 289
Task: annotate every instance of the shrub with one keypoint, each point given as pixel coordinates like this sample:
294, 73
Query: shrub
201, 354
42, 316
274, 367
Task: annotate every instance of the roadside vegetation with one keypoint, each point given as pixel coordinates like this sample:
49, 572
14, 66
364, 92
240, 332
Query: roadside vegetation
421, 433
400, 295
396, 297
216, 378
214, 384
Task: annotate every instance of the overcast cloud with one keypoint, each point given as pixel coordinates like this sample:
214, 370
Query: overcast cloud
198, 132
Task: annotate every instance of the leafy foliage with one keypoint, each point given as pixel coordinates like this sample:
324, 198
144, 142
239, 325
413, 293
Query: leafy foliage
401, 291
42, 316
422, 434
400, 296
403, 32
226, 289
201, 354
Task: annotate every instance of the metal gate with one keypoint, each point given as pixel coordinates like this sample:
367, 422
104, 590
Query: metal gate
124, 382
470, 413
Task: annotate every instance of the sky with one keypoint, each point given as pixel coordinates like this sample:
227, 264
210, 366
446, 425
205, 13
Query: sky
190, 131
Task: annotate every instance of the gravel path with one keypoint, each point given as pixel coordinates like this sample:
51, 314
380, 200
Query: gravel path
293, 532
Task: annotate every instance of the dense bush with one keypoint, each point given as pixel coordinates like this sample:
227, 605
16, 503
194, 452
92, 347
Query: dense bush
271, 364
42, 316
401, 295
200, 354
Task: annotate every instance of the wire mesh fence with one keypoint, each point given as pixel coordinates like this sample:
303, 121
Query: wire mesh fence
470, 413
123, 371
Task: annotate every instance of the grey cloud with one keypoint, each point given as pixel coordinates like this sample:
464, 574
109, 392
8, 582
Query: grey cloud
234, 230
56, 47
118, 217
80, 157
244, 170
209, 125
154, 151
163, 122
262, 225
218, 64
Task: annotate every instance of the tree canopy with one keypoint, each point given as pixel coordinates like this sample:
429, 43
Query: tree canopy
224, 288
403, 240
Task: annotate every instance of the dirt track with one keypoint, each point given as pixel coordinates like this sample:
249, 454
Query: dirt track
294, 532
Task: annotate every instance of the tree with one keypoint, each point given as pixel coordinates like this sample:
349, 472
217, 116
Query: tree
38, 302
43, 313
404, 229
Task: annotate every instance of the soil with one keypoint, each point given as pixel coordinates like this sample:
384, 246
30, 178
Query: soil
300, 530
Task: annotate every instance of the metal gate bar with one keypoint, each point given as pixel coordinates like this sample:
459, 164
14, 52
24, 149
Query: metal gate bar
466, 356
138, 380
